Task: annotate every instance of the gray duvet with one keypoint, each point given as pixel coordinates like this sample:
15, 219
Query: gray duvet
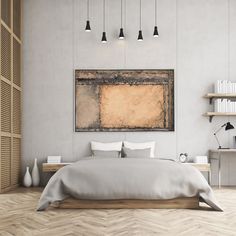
126, 178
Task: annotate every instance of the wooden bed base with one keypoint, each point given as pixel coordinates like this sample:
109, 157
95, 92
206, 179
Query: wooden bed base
177, 203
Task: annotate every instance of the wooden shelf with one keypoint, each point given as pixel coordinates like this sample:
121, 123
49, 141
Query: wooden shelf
212, 96
212, 114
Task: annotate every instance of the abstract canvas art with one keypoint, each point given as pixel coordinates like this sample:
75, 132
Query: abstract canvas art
124, 100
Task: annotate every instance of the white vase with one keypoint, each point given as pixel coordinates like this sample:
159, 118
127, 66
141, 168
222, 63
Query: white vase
35, 174
27, 178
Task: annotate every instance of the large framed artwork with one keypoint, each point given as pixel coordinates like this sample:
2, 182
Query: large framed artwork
124, 100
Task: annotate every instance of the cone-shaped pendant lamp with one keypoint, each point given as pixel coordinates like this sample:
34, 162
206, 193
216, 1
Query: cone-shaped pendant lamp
87, 27
140, 35
121, 35
155, 33
104, 38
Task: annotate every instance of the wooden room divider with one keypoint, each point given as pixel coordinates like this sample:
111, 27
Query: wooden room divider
10, 94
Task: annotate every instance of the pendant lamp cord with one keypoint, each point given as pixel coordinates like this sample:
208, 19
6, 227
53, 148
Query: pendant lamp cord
140, 23
121, 20
103, 15
87, 9
155, 12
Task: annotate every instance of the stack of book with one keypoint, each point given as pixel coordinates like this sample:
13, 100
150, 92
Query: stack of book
224, 105
54, 159
225, 86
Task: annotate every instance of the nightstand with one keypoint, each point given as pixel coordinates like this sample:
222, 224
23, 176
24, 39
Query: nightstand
54, 167
203, 167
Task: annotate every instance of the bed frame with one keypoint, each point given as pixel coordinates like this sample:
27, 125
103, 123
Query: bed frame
177, 203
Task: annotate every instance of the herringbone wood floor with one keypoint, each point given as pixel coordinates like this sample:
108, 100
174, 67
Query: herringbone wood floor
18, 217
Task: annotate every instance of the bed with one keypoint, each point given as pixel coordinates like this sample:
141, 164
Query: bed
127, 183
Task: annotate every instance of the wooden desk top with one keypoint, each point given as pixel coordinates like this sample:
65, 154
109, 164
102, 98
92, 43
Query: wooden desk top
223, 150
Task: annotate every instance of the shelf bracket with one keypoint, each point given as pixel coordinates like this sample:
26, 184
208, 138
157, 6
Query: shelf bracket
210, 100
210, 118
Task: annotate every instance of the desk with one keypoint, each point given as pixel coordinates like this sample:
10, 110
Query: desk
219, 152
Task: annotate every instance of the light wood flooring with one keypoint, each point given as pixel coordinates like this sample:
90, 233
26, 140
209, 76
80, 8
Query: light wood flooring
18, 217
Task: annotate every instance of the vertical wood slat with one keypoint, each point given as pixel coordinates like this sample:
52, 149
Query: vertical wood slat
10, 94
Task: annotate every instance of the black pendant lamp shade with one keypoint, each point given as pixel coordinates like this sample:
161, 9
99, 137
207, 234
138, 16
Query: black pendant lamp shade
140, 35
104, 38
121, 35
155, 34
87, 27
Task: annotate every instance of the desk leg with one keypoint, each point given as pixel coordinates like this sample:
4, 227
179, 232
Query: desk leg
209, 177
219, 171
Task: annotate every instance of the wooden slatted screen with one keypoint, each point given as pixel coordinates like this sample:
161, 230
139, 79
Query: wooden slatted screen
5, 162
15, 165
16, 63
10, 94
6, 12
5, 107
5, 53
17, 17
16, 112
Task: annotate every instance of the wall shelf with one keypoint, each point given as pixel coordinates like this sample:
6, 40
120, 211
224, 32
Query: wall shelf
212, 114
212, 96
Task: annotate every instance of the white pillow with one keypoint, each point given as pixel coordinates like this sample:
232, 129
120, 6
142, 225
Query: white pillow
115, 146
145, 145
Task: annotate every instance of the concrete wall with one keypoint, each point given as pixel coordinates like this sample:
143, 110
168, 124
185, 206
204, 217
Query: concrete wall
197, 39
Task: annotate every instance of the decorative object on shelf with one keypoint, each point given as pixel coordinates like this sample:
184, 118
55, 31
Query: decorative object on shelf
88, 28
223, 105
104, 37
140, 35
155, 33
35, 174
183, 157
121, 35
227, 126
27, 178
200, 159
54, 159
224, 86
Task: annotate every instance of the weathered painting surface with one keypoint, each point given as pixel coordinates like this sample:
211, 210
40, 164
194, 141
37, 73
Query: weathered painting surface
124, 100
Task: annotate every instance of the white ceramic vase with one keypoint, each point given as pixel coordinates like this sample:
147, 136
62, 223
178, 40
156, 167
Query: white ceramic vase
27, 178
35, 174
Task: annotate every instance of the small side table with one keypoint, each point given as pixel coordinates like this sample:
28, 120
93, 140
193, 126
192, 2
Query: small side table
54, 167
203, 167
219, 152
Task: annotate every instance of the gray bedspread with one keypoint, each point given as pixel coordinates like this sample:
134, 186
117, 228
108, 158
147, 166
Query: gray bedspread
126, 178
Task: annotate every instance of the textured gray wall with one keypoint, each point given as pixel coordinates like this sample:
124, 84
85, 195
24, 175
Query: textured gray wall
197, 39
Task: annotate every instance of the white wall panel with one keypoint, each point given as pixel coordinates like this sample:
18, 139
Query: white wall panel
197, 39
